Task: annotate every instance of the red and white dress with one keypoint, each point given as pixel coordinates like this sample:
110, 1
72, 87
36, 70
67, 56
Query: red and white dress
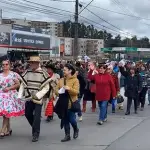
10, 105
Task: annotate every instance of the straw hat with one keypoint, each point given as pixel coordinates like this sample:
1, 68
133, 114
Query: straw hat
34, 59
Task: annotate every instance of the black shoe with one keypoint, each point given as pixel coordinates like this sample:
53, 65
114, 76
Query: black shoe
76, 133
35, 139
135, 112
49, 118
142, 108
127, 113
113, 111
66, 138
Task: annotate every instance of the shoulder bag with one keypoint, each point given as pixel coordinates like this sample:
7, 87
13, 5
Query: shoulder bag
75, 106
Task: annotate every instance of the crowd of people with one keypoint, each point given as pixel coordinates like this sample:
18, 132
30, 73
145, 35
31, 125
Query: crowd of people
25, 89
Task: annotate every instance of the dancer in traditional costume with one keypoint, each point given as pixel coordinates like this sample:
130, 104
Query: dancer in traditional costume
35, 85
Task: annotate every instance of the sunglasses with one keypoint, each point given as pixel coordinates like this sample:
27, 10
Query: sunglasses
4, 64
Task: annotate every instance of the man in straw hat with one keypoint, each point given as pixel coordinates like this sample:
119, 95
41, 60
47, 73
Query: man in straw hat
35, 85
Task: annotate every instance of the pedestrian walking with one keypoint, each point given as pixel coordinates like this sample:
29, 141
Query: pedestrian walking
34, 87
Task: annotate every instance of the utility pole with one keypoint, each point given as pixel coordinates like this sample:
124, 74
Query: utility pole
1, 16
75, 50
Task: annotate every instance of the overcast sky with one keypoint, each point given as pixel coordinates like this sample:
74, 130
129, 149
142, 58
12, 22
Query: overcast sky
128, 26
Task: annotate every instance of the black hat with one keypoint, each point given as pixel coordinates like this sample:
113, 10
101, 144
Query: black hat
50, 66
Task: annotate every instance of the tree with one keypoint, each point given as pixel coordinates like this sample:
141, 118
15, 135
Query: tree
90, 32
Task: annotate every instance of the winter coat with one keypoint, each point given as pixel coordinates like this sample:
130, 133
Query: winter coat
133, 84
105, 86
73, 83
82, 85
116, 82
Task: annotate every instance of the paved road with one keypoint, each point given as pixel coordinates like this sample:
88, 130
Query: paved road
119, 133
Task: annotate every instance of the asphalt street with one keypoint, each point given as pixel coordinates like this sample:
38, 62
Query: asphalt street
119, 133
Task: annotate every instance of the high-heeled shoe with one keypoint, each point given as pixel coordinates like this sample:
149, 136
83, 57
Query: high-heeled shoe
9, 133
2, 135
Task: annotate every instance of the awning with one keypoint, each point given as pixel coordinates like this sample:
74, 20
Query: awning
23, 47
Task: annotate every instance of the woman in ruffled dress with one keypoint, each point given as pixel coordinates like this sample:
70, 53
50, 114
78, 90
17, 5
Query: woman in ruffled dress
10, 105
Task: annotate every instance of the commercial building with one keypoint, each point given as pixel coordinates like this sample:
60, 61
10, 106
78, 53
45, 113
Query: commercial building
86, 46
22, 38
53, 28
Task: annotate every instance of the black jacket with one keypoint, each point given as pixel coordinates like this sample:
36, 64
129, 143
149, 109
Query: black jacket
61, 107
133, 83
82, 85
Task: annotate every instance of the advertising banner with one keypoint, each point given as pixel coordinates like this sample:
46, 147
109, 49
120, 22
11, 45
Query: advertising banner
28, 29
29, 40
143, 49
106, 49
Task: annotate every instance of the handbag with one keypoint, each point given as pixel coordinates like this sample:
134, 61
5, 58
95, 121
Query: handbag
120, 99
75, 106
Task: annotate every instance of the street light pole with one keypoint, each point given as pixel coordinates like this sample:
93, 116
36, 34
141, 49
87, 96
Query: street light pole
1, 16
75, 50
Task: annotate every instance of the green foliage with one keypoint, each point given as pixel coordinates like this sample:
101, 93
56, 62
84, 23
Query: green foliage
93, 33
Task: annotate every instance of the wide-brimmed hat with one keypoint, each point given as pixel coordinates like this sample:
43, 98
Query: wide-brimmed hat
34, 59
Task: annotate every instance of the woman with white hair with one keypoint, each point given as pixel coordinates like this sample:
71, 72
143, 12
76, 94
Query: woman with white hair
116, 83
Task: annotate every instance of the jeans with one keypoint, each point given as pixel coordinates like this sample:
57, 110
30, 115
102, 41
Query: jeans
114, 103
103, 110
80, 112
70, 119
33, 115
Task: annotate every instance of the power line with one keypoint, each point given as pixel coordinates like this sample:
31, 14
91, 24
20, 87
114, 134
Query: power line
128, 10
46, 10
133, 16
102, 25
120, 6
16, 3
31, 8
91, 23
108, 22
104, 20
60, 1
35, 14
86, 6
9, 10
46, 6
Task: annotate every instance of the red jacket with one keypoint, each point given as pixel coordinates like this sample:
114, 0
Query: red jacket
116, 82
104, 86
